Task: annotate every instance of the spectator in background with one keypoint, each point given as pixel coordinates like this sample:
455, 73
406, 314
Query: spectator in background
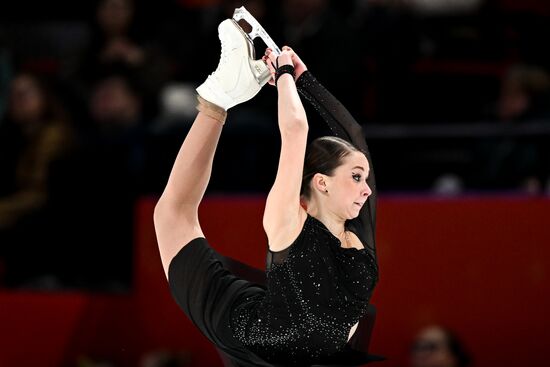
117, 129
115, 105
94, 197
524, 94
317, 25
436, 346
517, 162
115, 18
120, 40
389, 41
110, 166
35, 134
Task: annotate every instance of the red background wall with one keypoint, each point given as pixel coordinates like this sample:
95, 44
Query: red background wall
478, 265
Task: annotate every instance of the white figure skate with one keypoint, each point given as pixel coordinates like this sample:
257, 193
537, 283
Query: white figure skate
239, 76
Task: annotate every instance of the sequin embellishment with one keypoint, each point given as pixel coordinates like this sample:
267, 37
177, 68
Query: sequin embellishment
313, 298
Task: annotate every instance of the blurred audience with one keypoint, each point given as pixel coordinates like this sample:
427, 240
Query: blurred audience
524, 94
432, 7
131, 98
116, 130
437, 346
516, 163
114, 18
109, 170
121, 38
314, 27
115, 106
520, 162
35, 135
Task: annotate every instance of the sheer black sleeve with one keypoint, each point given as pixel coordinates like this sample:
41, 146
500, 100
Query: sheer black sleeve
343, 125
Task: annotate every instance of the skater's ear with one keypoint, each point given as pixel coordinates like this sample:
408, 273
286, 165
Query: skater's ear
319, 183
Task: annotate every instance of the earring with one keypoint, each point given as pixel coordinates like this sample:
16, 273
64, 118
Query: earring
326, 191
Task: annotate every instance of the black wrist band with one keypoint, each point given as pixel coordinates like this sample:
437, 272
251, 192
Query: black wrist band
285, 69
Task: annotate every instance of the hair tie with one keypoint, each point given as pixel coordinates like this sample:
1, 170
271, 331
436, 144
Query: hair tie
285, 69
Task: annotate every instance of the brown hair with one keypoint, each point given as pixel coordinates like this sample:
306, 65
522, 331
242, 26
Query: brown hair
324, 155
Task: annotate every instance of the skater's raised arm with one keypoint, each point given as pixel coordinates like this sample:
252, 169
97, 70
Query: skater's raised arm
283, 214
342, 125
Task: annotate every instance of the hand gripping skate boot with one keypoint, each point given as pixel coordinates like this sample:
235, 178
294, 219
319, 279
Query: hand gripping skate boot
238, 77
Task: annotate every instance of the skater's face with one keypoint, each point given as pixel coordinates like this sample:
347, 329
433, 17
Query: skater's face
347, 190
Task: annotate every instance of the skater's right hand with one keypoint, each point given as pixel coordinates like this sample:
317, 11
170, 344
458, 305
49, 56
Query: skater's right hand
299, 66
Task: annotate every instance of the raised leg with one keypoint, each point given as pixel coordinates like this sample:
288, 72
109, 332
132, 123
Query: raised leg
176, 213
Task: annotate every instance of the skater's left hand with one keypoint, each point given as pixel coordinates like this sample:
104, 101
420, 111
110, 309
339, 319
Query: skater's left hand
272, 61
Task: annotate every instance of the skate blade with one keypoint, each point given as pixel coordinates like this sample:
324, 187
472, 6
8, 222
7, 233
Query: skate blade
257, 29
258, 67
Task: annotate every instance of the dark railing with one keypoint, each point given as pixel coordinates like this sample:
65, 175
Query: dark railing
458, 130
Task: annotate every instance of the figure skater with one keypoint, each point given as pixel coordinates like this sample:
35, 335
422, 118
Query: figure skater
319, 219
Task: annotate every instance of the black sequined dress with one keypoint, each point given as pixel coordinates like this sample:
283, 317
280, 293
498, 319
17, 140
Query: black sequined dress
316, 289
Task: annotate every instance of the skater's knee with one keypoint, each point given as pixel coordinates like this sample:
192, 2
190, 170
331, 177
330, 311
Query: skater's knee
166, 210
174, 229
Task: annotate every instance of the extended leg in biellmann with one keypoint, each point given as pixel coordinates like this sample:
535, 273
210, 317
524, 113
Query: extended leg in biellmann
193, 166
176, 213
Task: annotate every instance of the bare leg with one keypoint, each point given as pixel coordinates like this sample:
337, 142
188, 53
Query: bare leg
176, 213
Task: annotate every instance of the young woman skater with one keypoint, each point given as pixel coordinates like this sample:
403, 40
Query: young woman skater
319, 220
